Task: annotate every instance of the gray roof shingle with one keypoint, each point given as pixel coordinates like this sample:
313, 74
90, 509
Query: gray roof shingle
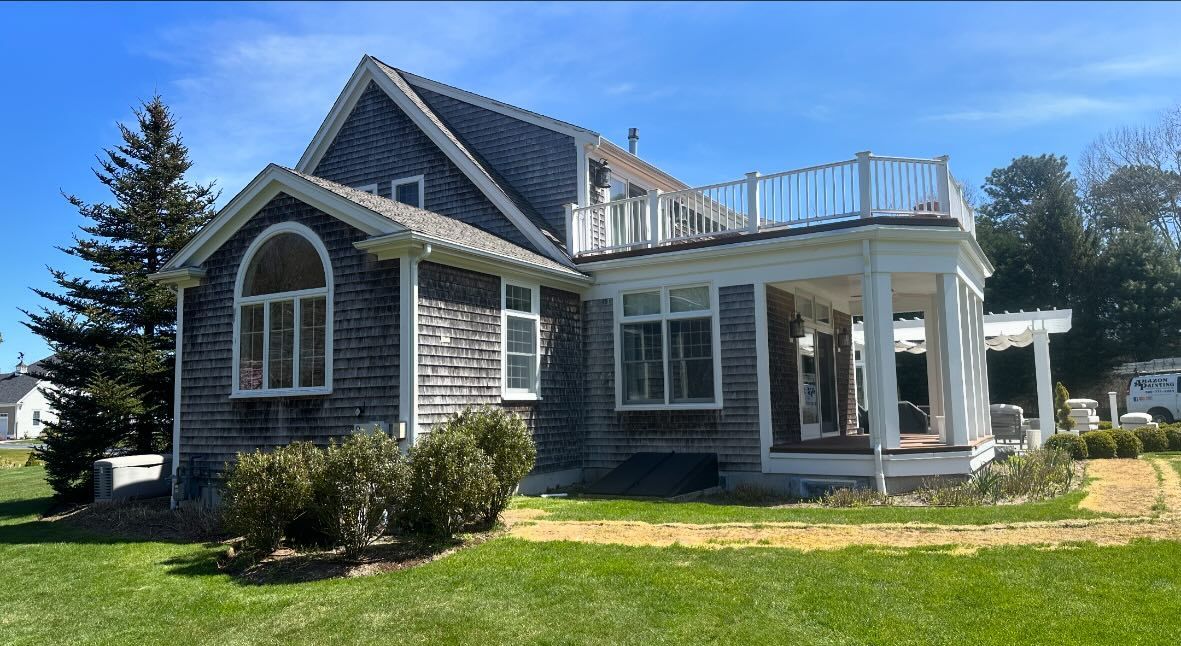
14, 386
437, 225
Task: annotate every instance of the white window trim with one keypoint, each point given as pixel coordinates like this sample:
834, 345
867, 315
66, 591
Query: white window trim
236, 392
419, 179
506, 393
663, 317
369, 188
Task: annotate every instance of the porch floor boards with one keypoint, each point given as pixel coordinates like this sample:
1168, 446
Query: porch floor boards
859, 444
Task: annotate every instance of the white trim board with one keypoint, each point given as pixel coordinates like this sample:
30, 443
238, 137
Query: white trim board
369, 69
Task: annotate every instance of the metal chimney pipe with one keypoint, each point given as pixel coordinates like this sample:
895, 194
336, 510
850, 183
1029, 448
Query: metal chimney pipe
633, 141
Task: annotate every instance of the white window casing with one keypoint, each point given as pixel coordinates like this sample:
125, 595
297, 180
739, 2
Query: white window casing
368, 188
681, 323
520, 341
310, 311
416, 180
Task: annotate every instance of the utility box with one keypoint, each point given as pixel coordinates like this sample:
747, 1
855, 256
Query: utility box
132, 476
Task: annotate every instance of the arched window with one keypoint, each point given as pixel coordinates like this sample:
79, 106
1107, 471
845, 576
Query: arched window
283, 305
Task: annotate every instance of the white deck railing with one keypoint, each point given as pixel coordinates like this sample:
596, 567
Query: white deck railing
863, 187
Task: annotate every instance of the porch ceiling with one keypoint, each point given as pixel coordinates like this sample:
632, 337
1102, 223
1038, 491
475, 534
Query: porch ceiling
912, 291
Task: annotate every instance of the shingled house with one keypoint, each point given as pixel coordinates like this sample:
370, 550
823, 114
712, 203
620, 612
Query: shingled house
435, 249
23, 406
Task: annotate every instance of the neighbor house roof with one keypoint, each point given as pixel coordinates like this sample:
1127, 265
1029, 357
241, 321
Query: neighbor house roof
14, 385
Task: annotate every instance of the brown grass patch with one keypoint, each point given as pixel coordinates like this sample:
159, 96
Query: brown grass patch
1121, 487
966, 538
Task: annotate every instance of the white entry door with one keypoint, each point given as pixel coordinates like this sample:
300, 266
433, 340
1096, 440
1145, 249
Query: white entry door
818, 387
4, 425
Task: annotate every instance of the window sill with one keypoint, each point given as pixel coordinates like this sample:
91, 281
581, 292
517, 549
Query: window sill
284, 392
520, 397
649, 407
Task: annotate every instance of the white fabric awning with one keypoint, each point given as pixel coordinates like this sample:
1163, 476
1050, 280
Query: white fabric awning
1001, 331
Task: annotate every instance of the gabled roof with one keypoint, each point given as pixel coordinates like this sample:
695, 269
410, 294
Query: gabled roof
14, 386
390, 80
375, 215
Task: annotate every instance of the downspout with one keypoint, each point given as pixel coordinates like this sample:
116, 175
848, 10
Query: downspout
408, 397
878, 468
180, 322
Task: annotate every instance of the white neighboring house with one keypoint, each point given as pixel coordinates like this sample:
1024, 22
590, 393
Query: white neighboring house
23, 406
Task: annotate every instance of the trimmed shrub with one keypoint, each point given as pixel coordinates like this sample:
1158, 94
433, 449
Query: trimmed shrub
503, 437
1152, 439
1105, 426
1100, 444
264, 492
1127, 445
363, 479
1174, 438
1069, 443
451, 483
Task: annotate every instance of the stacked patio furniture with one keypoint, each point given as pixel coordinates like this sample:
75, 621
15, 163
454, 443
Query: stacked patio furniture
1082, 411
1136, 420
1007, 423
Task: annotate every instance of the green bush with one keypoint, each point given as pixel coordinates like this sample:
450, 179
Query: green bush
1152, 439
1127, 445
503, 437
1073, 445
264, 492
1100, 444
451, 483
361, 483
1174, 438
1105, 426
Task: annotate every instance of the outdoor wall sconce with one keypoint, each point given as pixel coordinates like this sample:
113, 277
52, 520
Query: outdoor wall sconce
602, 175
795, 328
844, 339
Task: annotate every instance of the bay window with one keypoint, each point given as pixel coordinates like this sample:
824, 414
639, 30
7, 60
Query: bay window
283, 340
667, 348
520, 325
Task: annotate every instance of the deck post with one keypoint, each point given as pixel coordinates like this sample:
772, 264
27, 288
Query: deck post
882, 375
955, 393
1045, 389
864, 184
570, 235
654, 220
943, 185
753, 202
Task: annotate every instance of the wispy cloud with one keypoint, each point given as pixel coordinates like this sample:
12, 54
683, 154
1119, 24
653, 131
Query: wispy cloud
1033, 109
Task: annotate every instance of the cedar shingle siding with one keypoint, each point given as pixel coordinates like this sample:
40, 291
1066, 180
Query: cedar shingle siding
846, 395
540, 164
785, 399
459, 325
379, 143
365, 354
732, 432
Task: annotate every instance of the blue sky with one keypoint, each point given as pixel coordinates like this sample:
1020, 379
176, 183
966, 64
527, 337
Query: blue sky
716, 90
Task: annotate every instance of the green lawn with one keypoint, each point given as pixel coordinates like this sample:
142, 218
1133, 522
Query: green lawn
649, 511
63, 586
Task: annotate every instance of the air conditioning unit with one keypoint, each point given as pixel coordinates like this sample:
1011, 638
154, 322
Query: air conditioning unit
132, 476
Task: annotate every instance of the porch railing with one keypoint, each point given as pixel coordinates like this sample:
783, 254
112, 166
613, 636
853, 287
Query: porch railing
863, 187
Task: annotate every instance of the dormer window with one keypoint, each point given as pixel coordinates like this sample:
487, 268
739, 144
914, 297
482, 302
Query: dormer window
408, 190
283, 301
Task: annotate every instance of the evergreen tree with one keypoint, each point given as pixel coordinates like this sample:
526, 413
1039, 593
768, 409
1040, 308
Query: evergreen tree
113, 335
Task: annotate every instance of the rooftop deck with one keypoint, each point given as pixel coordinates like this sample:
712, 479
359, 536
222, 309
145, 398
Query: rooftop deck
865, 187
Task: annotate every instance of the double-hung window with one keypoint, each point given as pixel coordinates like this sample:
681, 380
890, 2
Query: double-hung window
667, 347
520, 327
283, 335
408, 190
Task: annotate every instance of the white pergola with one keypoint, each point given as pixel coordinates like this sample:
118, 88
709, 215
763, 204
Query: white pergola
1001, 332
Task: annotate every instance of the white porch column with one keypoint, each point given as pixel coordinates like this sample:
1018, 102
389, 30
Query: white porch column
1045, 387
934, 375
951, 356
982, 348
881, 373
969, 345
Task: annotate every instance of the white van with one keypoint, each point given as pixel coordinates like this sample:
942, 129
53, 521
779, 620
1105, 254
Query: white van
1156, 395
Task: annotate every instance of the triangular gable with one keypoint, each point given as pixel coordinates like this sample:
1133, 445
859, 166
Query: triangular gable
258, 193
400, 92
